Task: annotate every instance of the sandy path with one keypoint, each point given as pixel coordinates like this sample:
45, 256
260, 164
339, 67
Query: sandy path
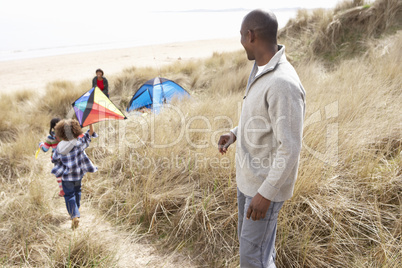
130, 249
34, 74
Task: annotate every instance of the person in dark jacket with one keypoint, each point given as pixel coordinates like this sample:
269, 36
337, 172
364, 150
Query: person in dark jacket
101, 82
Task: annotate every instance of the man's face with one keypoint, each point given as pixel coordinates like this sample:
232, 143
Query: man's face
245, 41
99, 74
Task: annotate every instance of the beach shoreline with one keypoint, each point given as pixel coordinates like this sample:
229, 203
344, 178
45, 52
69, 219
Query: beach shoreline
35, 73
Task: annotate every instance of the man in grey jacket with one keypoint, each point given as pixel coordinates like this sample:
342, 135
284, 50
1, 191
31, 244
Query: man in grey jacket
269, 139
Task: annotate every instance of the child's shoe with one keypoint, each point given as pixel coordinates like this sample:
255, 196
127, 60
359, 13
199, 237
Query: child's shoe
61, 194
74, 223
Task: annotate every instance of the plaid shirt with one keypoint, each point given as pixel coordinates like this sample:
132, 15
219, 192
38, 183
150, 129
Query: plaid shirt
74, 165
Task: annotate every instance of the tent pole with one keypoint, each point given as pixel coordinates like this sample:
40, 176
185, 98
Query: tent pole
163, 92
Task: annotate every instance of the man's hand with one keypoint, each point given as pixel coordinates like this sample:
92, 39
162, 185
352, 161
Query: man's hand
225, 141
258, 207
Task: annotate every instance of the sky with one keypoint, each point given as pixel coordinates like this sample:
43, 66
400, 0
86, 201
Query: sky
76, 8
43, 24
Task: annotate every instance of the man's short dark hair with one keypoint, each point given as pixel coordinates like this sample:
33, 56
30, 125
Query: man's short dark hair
263, 23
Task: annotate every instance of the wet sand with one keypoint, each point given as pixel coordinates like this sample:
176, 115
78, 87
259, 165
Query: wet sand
35, 73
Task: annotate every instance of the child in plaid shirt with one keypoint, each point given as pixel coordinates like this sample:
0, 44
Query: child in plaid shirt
71, 163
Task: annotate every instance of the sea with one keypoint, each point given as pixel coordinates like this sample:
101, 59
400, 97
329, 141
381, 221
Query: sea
22, 39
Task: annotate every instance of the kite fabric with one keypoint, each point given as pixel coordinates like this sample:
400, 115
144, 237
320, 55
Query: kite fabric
94, 106
37, 153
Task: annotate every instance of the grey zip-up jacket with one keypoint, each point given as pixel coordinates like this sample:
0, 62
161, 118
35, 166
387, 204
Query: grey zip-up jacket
269, 134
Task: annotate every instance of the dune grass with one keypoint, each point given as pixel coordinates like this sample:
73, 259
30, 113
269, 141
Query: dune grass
163, 175
346, 210
333, 35
30, 234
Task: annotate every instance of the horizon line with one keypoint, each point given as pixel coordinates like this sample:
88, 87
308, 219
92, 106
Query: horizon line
229, 10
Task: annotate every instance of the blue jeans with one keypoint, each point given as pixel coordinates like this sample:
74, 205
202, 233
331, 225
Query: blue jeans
72, 196
257, 238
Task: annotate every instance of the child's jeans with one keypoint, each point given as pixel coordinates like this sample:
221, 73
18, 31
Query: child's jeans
72, 196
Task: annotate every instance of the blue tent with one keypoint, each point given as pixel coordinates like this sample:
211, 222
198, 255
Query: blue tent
154, 93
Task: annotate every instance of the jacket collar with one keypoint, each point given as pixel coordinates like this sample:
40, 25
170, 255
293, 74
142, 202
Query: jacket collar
275, 60
64, 147
278, 57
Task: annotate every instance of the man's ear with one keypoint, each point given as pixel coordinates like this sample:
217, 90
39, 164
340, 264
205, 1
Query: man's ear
251, 35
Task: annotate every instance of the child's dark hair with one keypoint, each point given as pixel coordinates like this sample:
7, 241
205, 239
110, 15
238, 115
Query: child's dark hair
68, 129
53, 123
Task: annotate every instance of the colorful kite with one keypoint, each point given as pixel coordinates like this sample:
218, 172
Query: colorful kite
94, 106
